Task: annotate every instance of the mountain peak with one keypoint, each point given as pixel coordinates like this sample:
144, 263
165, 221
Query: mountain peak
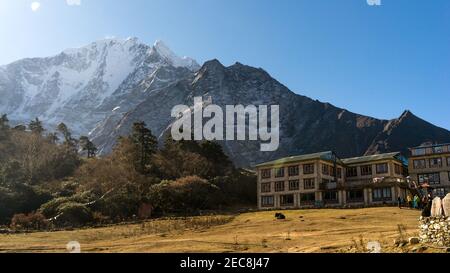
166, 53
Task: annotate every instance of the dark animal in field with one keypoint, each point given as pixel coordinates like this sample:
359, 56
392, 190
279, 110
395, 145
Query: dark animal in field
280, 216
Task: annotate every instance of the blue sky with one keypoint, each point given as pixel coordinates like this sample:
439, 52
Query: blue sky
373, 60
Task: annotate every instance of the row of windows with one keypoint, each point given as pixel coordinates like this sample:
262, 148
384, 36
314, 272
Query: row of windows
430, 178
288, 199
382, 194
379, 194
295, 171
294, 185
292, 171
431, 150
366, 170
436, 162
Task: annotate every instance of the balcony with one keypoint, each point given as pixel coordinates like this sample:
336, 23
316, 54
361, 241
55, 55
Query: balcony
330, 186
372, 182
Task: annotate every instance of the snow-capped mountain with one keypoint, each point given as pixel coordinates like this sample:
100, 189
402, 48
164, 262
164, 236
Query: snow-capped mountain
83, 86
103, 88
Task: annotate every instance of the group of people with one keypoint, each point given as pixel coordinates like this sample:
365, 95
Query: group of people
414, 202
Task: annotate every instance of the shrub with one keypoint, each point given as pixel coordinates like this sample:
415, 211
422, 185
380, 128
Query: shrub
32, 221
185, 194
73, 214
51, 208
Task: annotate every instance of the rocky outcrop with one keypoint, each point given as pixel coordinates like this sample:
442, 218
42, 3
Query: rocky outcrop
435, 230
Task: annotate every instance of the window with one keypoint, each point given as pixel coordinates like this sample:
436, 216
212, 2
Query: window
267, 201
266, 187
382, 194
294, 185
438, 149
352, 172
325, 181
279, 172
287, 200
430, 178
307, 198
366, 170
330, 197
435, 162
441, 192
355, 196
382, 168
448, 161
293, 171
338, 172
279, 186
419, 151
325, 169
308, 169
420, 164
309, 184
266, 173
398, 169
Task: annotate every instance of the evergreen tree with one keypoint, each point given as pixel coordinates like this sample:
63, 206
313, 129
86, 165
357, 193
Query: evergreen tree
36, 127
69, 141
4, 127
146, 145
88, 146
64, 130
52, 138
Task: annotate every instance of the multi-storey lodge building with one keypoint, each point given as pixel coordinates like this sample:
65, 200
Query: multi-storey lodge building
322, 179
430, 166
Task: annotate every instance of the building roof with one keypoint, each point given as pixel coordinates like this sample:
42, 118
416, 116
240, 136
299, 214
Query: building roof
329, 156
322, 155
430, 146
378, 157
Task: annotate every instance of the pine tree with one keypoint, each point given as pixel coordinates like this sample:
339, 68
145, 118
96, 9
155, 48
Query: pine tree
88, 146
69, 141
64, 130
36, 127
52, 138
146, 145
4, 127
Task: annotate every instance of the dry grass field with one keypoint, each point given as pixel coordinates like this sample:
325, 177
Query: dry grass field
302, 231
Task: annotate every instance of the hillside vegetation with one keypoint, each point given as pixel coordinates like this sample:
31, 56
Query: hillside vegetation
52, 180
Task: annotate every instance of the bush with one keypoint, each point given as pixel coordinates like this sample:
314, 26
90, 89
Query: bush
51, 208
184, 195
73, 215
32, 221
121, 204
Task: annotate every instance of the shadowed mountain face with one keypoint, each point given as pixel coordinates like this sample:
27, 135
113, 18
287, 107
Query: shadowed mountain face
307, 125
103, 88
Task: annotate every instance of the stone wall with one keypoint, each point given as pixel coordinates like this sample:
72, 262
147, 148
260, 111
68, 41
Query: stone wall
435, 230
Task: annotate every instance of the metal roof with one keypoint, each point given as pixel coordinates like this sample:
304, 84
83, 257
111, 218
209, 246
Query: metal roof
430, 146
322, 155
369, 158
329, 156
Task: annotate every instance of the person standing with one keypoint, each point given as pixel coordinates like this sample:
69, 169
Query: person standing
415, 201
409, 200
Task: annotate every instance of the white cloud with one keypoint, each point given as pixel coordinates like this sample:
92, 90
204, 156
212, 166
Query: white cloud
73, 2
35, 6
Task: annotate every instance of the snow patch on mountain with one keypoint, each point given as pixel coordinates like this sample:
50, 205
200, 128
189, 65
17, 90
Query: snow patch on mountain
83, 85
